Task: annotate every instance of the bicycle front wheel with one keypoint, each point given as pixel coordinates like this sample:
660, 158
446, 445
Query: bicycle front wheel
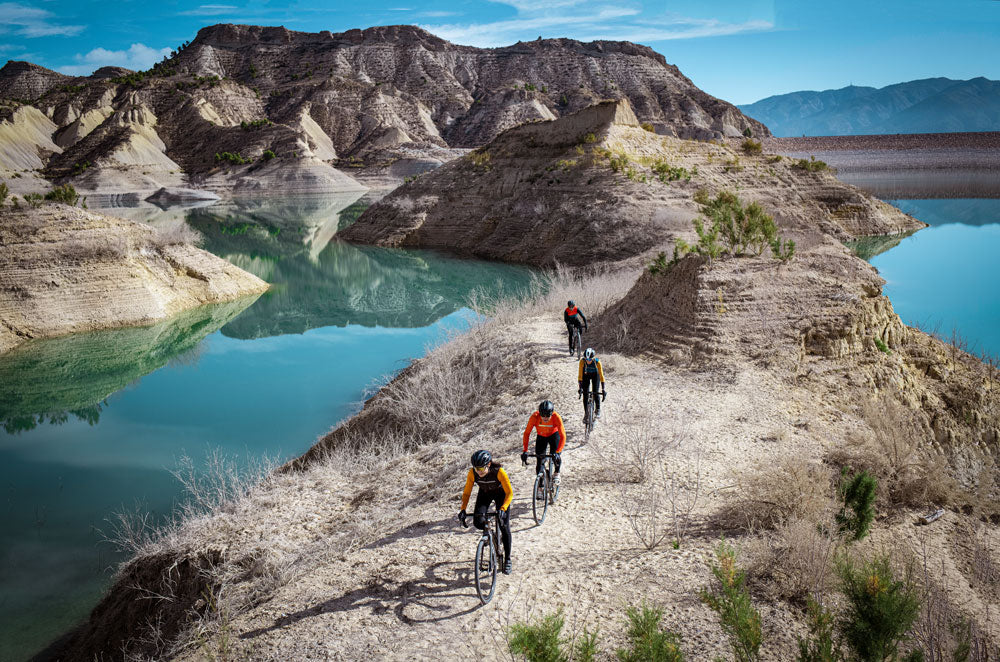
553, 492
485, 570
539, 498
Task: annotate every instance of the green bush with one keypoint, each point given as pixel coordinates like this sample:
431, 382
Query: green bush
783, 251
880, 609
647, 642
589, 138
810, 165
230, 157
741, 227
79, 168
33, 199
267, 155
543, 641
255, 124
820, 646
65, 193
752, 147
730, 599
668, 173
4, 192
529, 87
882, 347
647, 126
748, 132
858, 494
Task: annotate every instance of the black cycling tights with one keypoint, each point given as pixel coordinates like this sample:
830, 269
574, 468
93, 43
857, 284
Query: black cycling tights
572, 326
551, 443
483, 501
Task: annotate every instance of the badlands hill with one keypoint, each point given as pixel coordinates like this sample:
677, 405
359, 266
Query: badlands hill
596, 186
65, 270
209, 113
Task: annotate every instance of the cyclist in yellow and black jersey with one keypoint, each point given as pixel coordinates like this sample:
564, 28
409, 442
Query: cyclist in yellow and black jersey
494, 487
590, 372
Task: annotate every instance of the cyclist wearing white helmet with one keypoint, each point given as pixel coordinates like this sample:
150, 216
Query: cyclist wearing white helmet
590, 372
494, 487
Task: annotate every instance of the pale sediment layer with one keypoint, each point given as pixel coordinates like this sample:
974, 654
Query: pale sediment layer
65, 270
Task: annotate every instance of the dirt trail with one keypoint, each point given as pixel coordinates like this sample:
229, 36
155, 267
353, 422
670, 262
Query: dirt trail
410, 594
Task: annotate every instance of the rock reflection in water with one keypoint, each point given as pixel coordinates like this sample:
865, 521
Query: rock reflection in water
318, 282
50, 380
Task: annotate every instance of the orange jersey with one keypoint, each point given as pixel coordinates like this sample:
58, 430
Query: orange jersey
545, 429
496, 475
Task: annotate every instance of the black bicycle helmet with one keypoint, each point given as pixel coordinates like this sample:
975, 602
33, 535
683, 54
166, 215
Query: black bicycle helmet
546, 408
481, 458
570, 303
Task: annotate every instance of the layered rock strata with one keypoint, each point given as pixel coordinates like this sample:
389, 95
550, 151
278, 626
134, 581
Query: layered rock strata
65, 270
596, 186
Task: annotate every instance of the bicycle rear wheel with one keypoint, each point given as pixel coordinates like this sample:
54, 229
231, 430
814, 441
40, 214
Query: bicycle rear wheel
540, 498
485, 570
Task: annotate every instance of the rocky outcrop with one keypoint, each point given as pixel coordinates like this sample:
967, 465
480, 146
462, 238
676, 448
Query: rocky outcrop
65, 270
362, 98
596, 186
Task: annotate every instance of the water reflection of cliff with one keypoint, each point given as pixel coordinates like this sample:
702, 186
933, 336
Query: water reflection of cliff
317, 282
50, 380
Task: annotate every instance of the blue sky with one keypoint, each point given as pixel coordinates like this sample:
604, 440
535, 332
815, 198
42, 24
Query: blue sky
739, 50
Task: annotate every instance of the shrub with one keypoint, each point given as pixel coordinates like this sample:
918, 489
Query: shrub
563, 101
730, 599
795, 563
4, 192
879, 609
529, 87
267, 155
810, 165
255, 125
752, 147
589, 138
774, 492
231, 157
702, 196
669, 173
33, 199
65, 193
79, 168
748, 132
647, 642
856, 515
646, 126
543, 641
882, 347
660, 264
820, 646
481, 160
741, 227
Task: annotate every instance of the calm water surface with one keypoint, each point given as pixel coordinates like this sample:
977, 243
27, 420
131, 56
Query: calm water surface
945, 277
91, 424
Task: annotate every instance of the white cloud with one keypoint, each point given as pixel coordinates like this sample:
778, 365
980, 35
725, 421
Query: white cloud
32, 22
587, 22
209, 10
136, 57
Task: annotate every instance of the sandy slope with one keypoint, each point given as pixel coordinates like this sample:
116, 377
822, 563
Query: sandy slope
410, 594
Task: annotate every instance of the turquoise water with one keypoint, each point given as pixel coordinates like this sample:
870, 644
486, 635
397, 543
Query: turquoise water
91, 424
944, 278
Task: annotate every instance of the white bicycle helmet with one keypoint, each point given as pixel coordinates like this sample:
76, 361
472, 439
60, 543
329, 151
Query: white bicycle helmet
589, 354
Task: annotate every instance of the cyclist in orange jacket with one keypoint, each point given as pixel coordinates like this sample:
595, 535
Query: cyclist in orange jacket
551, 437
494, 487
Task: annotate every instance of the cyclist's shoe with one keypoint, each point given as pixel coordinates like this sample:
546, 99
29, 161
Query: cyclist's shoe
507, 567
571, 351
555, 479
597, 414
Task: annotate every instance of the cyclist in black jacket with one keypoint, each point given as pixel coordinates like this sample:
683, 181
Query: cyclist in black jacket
573, 317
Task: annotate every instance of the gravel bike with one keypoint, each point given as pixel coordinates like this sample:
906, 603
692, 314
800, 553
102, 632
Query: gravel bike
489, 556
576, 342
544, 491
589, 418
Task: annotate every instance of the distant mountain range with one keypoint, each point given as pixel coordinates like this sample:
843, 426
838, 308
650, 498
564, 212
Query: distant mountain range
932, 105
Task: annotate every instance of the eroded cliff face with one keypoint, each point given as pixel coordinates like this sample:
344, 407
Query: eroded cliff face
351, 99
596, 186
65, 270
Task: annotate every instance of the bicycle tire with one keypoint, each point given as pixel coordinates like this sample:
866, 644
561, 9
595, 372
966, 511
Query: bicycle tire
540, 484
588, 418
554, 489
486, 577
579, 344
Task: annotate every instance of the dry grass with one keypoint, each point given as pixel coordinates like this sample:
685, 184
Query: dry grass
175, 233
795, 561
792, 487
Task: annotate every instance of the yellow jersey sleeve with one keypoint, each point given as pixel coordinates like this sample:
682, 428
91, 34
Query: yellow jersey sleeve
467, 492
600, 370
579, 374
508, 490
